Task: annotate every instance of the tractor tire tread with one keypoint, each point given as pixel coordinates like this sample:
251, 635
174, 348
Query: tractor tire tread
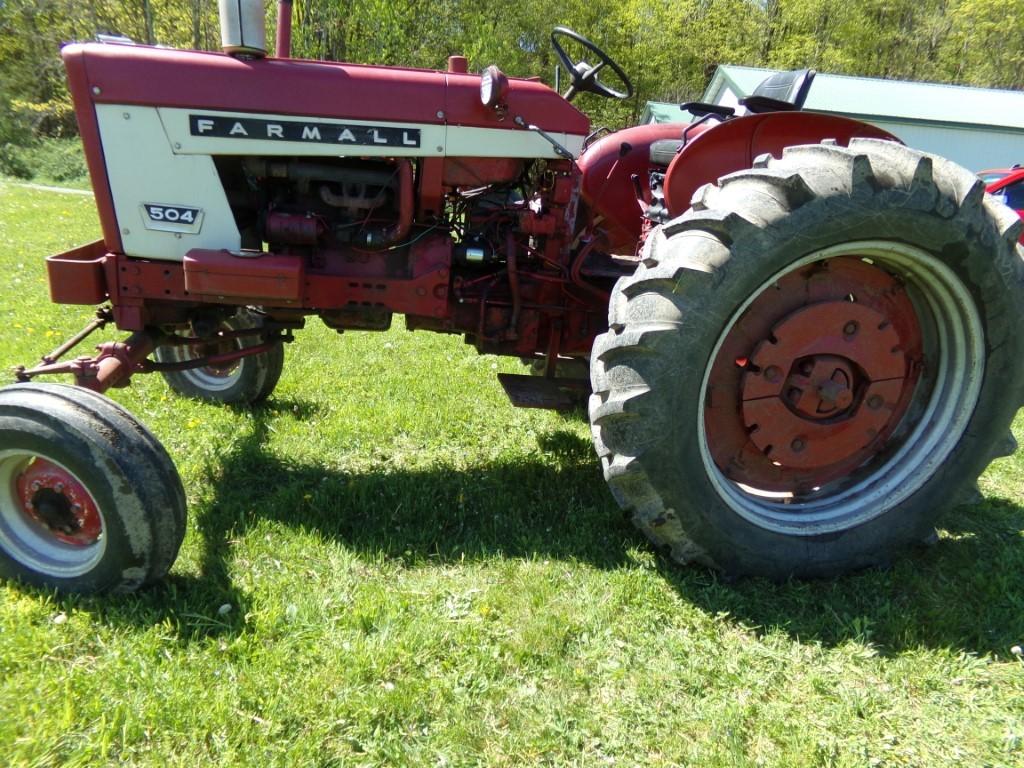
139, 471
626, 408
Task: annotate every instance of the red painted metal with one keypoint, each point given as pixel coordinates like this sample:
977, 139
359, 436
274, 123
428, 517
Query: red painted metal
161, 77
809, 384
533, 223
541, 269
607, 185
88, 128
1010, 188
78, 522
252, 276
218, 357
479, 171
458, 65
77, 276
806, 402
116, 362
734, 144
294, 228
283, 40
398, 231
155, 292
430, 188
421, 288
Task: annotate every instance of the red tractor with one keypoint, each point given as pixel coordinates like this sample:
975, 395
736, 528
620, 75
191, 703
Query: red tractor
803, 337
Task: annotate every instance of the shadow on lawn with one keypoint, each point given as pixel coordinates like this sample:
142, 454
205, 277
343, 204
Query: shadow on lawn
965, 593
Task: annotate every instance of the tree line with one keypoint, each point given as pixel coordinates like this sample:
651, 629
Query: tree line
669, 47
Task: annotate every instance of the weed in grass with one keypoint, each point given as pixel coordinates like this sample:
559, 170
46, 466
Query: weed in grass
419, 574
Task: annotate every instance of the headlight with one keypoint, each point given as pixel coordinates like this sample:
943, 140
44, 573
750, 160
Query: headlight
493, 87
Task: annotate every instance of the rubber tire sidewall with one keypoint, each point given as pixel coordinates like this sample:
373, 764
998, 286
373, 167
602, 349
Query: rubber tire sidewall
258, 374
675, 466
133, 483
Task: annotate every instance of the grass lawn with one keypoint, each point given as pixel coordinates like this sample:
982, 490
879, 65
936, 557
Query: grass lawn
389, 565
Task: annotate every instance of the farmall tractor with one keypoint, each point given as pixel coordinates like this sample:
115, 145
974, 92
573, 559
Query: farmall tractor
803, 338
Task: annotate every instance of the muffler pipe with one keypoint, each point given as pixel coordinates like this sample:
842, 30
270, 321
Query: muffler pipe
283, 42
243, 30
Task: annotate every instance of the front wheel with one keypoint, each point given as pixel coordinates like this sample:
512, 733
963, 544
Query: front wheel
814, 362
89, 500
247, 380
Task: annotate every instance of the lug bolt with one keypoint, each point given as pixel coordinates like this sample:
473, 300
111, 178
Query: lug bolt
875, 402
850, 329
36, 485
772, 373
29, 505
76, 508
797, 445
59, 487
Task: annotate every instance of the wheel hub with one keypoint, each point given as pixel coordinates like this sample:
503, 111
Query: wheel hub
818, 386
814, 378
54, 498
835, 352
222, 347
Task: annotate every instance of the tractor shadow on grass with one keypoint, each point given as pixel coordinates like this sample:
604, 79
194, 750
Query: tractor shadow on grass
556, 508
966, 593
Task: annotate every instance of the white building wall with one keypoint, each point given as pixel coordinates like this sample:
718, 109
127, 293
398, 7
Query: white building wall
974, 148
727, 97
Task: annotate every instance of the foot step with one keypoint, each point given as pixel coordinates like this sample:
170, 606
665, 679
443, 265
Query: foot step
542, 392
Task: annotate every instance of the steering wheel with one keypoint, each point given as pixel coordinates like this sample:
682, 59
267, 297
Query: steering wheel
583, 75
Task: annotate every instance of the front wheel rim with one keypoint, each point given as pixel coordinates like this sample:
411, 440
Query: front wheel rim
49, 521
209, 378
937, 401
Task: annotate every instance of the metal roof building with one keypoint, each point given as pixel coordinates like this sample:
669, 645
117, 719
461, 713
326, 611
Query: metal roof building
976, 127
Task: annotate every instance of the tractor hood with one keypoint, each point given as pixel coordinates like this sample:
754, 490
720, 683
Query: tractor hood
142, 75
148, 114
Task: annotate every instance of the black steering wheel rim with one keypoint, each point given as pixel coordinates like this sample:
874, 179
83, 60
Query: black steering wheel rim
587, 81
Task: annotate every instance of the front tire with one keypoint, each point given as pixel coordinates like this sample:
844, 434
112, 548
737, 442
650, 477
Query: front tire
89, 500
814, 362
248, 380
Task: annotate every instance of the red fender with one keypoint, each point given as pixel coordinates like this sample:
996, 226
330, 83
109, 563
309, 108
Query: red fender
607, 187
732, 146
712, 151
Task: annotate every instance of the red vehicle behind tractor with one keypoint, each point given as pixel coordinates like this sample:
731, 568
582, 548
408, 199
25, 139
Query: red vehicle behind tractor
802, 336
1007, 188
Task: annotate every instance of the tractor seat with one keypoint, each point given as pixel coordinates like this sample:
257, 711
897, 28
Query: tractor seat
781, 92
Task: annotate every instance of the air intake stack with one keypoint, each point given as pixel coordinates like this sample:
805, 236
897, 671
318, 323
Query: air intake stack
243, 28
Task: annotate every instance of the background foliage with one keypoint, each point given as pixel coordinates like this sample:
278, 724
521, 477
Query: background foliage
669, 47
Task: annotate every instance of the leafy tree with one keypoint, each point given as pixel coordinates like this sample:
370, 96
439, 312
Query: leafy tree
669, 47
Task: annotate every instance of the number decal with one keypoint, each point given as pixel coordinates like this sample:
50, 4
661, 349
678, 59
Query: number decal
172, 218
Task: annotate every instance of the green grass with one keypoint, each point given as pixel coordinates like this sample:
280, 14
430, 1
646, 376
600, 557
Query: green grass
389, 565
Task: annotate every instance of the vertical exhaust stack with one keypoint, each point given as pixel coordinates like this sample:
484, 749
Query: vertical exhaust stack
243, 28
283, 43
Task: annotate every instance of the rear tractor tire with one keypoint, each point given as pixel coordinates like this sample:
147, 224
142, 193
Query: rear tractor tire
89, 500
814, 362
247, 381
